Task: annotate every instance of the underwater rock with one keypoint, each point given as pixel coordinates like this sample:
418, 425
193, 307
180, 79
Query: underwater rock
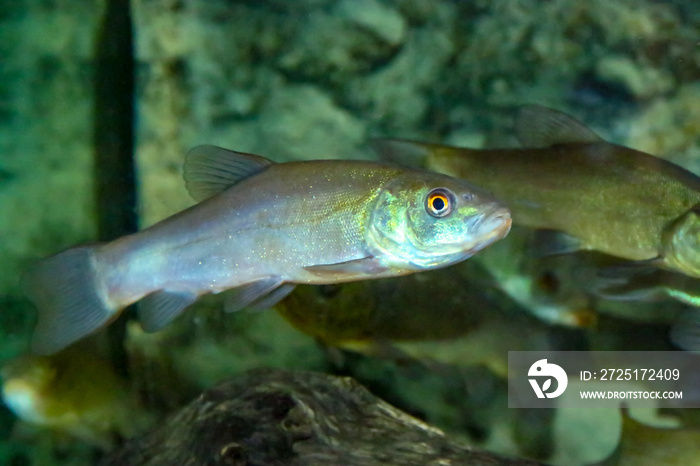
541, 45
301, 121
276, 417
377, 18
642, 82
45, 129
670, 127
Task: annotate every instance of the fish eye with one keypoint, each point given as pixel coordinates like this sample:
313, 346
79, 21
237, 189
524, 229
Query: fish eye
439, 202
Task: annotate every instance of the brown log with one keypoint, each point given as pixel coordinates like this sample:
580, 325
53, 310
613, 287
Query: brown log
276, 417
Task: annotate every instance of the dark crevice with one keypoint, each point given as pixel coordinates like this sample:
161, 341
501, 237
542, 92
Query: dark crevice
115, 177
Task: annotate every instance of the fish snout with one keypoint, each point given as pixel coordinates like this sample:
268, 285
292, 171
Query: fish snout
505, 222
497, 221
489, 227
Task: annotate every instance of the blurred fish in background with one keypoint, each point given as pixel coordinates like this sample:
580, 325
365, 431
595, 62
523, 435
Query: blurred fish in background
75, 393
450, 316
585, 194
645, 445
543, 285
602, 196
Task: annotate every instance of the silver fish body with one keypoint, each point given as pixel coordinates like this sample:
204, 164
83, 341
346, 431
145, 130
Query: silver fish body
260, 228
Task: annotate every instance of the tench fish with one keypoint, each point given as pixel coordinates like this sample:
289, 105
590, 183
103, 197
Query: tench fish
74, 392
260, 228
646, 445
451, 316
602, 196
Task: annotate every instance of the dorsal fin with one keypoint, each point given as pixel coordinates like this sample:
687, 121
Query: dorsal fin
402, 152
539, 127
210, 170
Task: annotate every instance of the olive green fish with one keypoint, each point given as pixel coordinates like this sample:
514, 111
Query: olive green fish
74, 392
645, 445
452, 316
260, 228
609, 198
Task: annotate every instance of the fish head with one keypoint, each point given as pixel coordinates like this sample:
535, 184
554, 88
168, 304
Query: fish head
426, 220
25, 380
682, 244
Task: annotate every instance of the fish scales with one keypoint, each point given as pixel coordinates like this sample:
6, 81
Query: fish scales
259, 229
612, 184
278, 228
593, 195
607, 197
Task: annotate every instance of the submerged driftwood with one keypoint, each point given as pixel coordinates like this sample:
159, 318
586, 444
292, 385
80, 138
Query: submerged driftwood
275, 417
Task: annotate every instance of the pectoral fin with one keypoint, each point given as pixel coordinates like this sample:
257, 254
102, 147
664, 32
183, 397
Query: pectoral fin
341, 271
633, 270
632, 281
629, 292
272, 298
257, 291
553, 243
160, 308
685, 332
540, 127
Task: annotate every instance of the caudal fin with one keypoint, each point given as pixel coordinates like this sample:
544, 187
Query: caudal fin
64, 288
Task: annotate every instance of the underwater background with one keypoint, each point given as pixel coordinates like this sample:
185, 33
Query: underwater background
100, 101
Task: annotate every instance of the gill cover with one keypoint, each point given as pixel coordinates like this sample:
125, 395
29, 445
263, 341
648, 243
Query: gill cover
417, 226
682, 244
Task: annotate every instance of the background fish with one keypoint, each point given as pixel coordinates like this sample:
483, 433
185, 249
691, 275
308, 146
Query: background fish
260, 228
603, 196
548, 287
645, 445
73, 392
426, 316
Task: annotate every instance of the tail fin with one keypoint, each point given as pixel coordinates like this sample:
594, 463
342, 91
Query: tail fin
65, 290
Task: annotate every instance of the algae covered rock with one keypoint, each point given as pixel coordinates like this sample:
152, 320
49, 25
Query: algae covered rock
276, 417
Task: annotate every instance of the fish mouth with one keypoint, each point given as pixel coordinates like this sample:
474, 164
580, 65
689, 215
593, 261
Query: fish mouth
481, 230
489, 228
485, 230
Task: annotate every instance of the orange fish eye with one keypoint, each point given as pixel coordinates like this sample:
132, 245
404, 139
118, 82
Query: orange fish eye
439, 202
